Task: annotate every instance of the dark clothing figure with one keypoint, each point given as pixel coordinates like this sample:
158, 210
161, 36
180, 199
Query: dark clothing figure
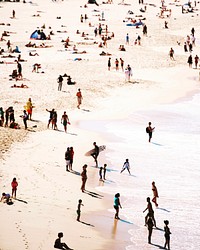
59, 245
167, 234
150, 229
67, 159
25, 118
145, 30
190, 47
185, 47
150, 212
79, 210
104, 171
150, 130
100, 174
190, 61
95, 153
60, 82
109, 63
51, 116
19, 68
192, 31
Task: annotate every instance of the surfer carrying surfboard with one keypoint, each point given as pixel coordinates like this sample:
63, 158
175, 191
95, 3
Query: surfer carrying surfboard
95, 153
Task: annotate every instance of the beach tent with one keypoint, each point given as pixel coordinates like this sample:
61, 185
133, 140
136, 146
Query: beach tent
135, 24
38, 35
34, 35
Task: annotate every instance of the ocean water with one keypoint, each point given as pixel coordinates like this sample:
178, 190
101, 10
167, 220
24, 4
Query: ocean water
171, 160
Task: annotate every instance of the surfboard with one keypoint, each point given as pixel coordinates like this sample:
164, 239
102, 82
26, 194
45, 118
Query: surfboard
101, 148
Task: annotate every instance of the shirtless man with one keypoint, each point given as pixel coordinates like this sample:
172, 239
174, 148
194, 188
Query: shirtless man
65, 120
150, 212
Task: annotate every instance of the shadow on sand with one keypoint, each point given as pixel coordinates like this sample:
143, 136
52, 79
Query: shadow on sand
87, 224
93, 194
21, 201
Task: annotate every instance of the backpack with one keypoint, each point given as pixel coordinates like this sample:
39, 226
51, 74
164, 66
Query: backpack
147, 130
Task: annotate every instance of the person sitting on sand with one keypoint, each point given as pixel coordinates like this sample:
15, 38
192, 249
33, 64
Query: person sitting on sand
59, 245
69, 81
36, 66
121, 48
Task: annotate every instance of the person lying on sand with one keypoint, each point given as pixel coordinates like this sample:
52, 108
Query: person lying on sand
8, 56
105, 54
31, 54
19, 86
43, 45
30, 44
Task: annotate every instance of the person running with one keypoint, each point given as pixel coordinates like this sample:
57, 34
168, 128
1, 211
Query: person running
150, 229
65, 121
95, 153
59, 245
167, 234
84, 177
14, 185
150, 130
150, 212
117, 205
67, 159
79, 210
155, 193
126, 166
79, 98
60, 82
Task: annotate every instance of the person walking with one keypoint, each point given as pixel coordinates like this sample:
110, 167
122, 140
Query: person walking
126, 166
14, 185
117, 205
150, 130
171, 54
127, 39
95, 153
79, 98
84, 177
167, 234
79, 210
65, 121
155, 193
60, 82
51, 112
150, 212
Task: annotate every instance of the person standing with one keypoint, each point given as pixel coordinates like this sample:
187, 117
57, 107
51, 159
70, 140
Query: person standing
79, 98
29, 108
150, 212
79, 210
150, 130
51, 116
104, 171
122, 63
126, 166
117, 64
14, 185
19, 68
155, 193
67, 159
25, 118
190, 61
71, 151
65, 121
95, 153
167, 234
109, 63
171, 54
150, 229
84, 177
127, 39
100, 174
129, 74
60, 82
196, 60
117, 205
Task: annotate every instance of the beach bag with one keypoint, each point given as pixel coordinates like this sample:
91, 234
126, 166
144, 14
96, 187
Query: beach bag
147, 130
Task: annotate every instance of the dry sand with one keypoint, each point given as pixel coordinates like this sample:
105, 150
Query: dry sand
48, 195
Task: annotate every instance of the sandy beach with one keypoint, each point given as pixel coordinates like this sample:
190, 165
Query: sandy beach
114, 112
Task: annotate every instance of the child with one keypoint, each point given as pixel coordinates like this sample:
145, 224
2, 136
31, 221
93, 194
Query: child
79, 210
14, 185
167, 234
100, 173
104, 171
58, 244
